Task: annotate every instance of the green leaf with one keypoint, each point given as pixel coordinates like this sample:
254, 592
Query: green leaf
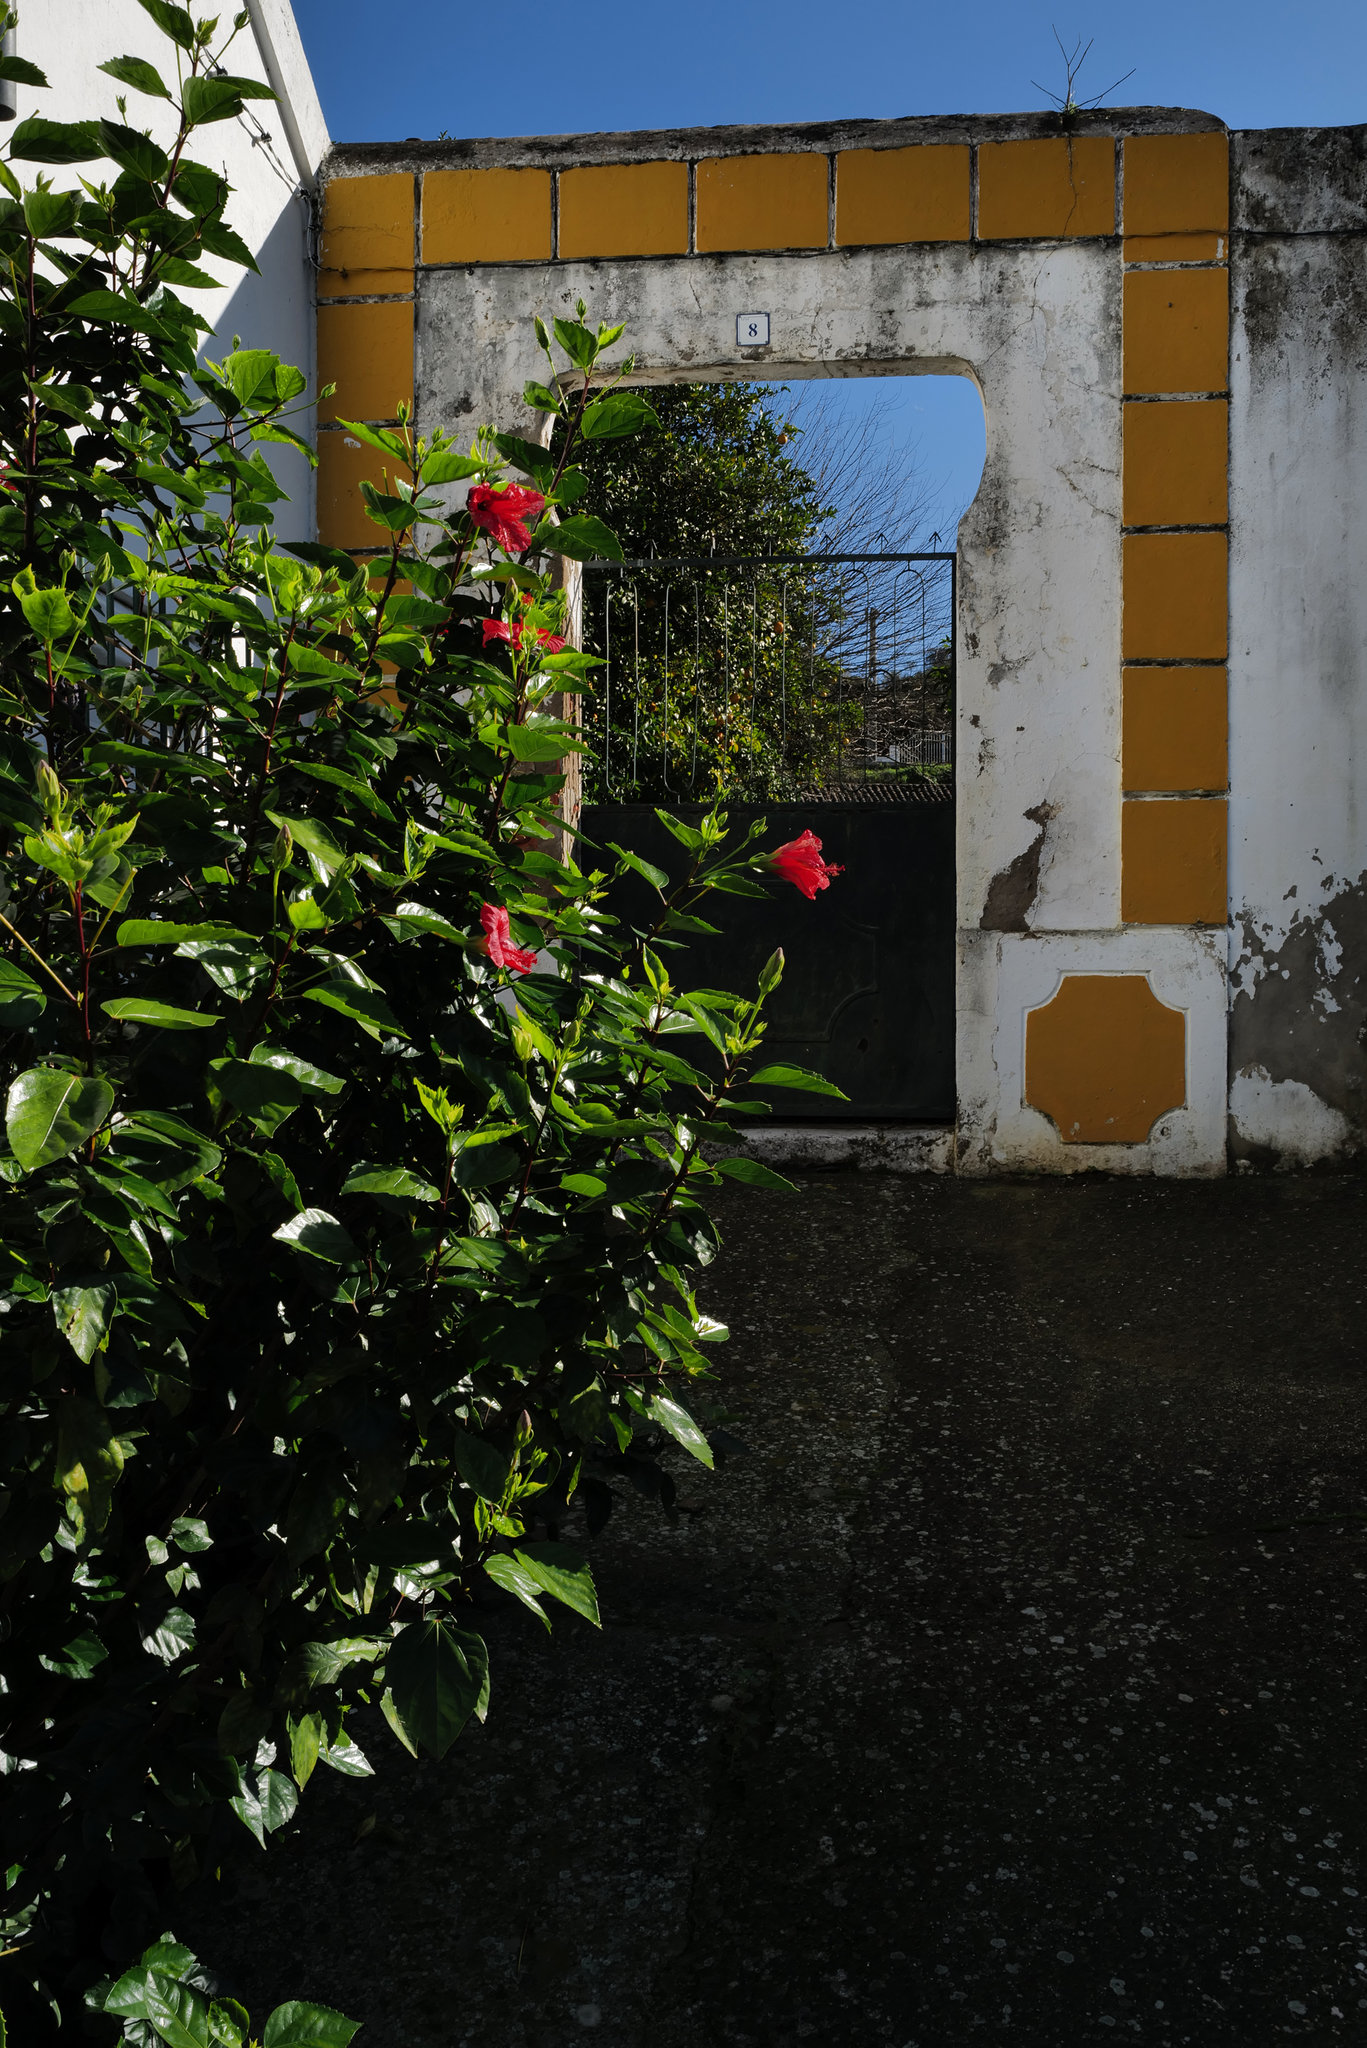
219, 99
484, 1469
623, 412
364, 1006
560, 1570
365, 1179
76, 1661
320, 1235
314, 1079
437, 1677
796, 1077
160, 932
21, 72
137, 72
83, 1315
37, 141
579, 345
754, 1174
313, 837
514, 1578
49, 614
49, 1113
541, 742
22, 1001
307, 1741
584, 539
173, 21
681, 1427
267, 1805
344, 1756
446, 467
656, 876
297, 2025
160, 1016
173, 1635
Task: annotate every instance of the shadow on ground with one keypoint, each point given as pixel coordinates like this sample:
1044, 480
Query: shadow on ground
1011, 1689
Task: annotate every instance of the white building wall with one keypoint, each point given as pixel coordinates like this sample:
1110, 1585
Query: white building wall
271, 158
1298, 649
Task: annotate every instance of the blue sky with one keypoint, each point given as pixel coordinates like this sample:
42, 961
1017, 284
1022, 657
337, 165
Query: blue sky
416, 67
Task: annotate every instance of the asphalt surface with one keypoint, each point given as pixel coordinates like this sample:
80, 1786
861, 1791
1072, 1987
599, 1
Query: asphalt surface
1010, 1689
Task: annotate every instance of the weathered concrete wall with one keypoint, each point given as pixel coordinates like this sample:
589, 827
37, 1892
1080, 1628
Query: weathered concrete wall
1162, 616
1298, 657
271, 159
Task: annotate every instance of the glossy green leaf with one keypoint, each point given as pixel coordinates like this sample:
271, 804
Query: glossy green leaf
755, 1174
298, 2025
622, 412
22, 1000
796, 1077
266, 1805
172, 1636
681, 1426
320, 1235
156, 1016
49, 1112
390, 1180
364, 1006
561, 1571
137, 72
481, 1465
438, 1676
515, 1578
83, 1315
585, 539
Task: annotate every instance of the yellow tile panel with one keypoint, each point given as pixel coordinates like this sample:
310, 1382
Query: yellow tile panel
367, 352
1176, 334
1172, 860
367, 236
624, 210
1175, 729
1176, 184
491, 216
1176, 462
1201, 248
763, 202
1176, 604
902, 195
1105, 1059
1060, 186
343, 463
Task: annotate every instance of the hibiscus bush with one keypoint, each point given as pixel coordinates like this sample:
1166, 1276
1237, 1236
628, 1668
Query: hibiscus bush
355, 1154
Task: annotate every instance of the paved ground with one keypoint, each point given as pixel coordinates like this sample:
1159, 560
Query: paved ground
1011, 1690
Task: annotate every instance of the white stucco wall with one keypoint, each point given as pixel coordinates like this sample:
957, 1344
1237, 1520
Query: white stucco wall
1298, 648
272, 179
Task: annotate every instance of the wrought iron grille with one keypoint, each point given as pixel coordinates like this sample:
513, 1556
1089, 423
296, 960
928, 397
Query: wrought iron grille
768, 678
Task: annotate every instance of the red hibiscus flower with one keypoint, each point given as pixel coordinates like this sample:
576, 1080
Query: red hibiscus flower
501, 514
800, 863
498, 941
500, 629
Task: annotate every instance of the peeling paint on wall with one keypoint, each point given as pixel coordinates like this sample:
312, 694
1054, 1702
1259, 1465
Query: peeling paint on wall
1298, 1020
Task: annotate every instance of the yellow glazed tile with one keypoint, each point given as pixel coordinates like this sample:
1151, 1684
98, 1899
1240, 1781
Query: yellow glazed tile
367, 352
1175, 729
1176, 463
902, 195
366, 245
1173, 859
1176, 333
491, 216
1176, 184
1056, 187
343, 463
1176, 597
1105, 1059
763, 202
1176, 248
624, 210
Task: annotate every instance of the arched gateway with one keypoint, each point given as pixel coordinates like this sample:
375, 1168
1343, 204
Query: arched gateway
1082, 280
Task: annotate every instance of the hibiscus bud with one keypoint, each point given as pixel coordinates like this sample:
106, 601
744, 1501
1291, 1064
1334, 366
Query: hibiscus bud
49, 789
281, 848
771, 974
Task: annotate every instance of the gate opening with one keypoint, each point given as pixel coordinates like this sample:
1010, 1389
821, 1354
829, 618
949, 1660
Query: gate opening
813, 688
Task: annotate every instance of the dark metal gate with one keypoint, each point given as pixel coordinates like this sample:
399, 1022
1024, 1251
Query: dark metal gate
816, 691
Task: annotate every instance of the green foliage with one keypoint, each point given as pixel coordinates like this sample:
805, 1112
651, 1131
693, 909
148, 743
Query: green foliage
166, 2000
736, 705
336, 1248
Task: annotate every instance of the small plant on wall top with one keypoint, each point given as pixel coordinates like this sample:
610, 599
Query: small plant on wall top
352, 1179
